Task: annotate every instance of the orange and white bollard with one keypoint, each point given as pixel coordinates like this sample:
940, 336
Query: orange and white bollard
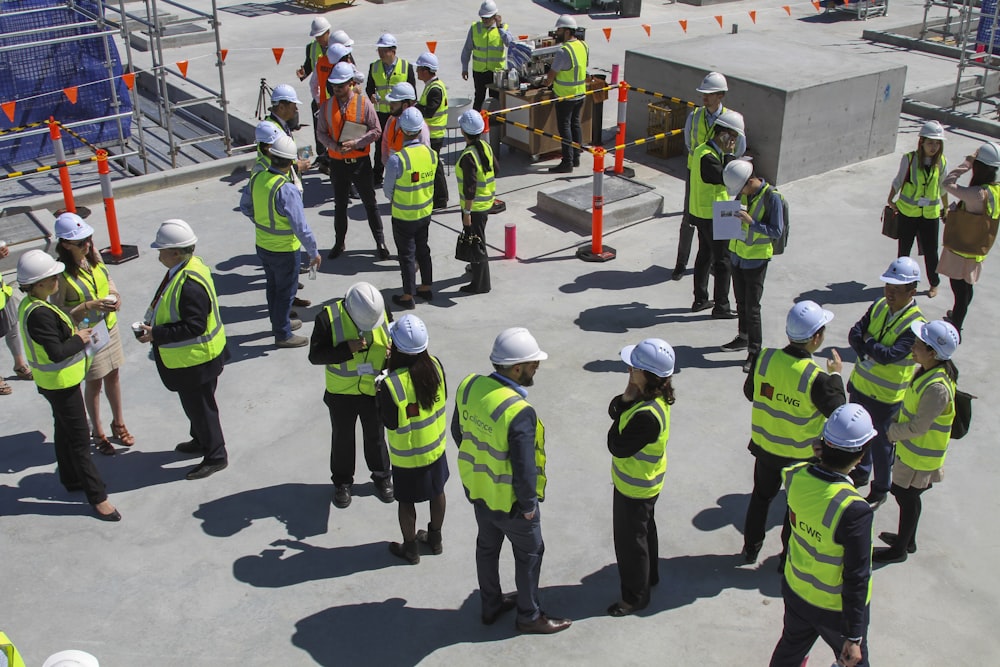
620, 136
597, 252
60, 153
117, 253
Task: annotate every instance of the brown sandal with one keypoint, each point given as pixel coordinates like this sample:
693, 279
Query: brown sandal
119, 432
104, 445
5, 389
24, 373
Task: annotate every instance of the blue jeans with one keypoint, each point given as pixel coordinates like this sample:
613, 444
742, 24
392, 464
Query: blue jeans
412, 250
282, 272
526, 542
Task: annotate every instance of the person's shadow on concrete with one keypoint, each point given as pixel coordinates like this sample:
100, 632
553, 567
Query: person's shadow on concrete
617, 280
272, 568
623, 317
304, 509
731, 510
25, 450
842, 293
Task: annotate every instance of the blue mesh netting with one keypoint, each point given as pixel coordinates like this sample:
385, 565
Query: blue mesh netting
34, 78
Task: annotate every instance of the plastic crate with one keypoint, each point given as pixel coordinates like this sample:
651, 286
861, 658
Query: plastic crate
663, 117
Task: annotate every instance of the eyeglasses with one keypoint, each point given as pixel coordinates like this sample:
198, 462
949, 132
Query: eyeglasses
338, 86
79, 244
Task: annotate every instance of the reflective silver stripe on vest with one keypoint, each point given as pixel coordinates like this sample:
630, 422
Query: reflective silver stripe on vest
495, 454
485, 469
174, 313
933, 427
421, 423
924, 451
500, 409
783, 416
340, 370
814, 582
271, 210
834, 506
634, 481
575, 64
30, 349
821, 558
801, 444
765, 361
426, 449
648, 458
863, 371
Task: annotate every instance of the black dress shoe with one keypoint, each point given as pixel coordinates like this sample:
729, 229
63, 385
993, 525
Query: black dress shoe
468, 289
114, 516
543, 625
750, 552
720, 314
678, 272
890, 539
620, 609
336, 251
342, 495
888, 555
576, 160
699, 306
203, 470
405, 304
383, 489
189, 447
507, 603
301, 303
562, 168
383, 252
425, 294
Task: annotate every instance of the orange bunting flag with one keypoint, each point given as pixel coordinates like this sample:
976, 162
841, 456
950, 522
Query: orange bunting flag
647, 28
753, 16
277, 51
846, 2
522, 37
129, 79
607, 33
788, 10
816, 4
182, 65
8, 108
684, 25
718, 19
432, 46
70, 94
223, 53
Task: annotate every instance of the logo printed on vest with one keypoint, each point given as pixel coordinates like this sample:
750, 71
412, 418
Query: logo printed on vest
809, 530
477, 421
768, 392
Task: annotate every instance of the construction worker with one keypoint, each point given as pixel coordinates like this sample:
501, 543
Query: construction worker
433, 105
411, 402
349, 161
189, 343
707, 187
883, 342
317, 66
274, 205
501, 460
10, 331
791, 396
922, 200
486, 44
827, 577
342, 38
568, 79
383, 74
8, 652
476, 173
409, 185
763, 220
699, 127
57, 353
637, 441
401, 97
922, 431
351, 338
284, 116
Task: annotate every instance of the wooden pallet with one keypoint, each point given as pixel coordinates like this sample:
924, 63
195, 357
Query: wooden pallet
323, 4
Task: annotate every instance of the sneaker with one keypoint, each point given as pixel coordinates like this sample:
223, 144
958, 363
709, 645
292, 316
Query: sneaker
735, 345
562, 168
292, 341
342, 495
383, 489
295, 324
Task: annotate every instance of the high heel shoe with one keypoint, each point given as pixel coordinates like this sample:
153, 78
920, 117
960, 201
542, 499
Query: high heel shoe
115, 515
119, 432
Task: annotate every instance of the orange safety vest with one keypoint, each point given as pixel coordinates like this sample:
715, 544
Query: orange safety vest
323, 68
394, 135
355, 113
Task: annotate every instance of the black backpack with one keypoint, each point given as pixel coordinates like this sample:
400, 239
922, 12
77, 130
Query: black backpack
779, 244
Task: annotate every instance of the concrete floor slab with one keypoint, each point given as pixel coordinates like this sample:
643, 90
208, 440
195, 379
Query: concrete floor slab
625, 201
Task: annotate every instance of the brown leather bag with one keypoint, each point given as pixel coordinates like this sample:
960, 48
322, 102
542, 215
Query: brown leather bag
969, 233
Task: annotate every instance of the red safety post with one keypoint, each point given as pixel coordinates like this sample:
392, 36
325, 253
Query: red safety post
597, 252
117, 253
60, 153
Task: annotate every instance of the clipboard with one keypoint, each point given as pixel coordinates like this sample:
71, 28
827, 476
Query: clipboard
725, 223
99, 338
352, 131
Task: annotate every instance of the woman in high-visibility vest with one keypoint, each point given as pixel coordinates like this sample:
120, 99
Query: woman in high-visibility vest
921, 433
411, 400
57, 353
9, 330
638, 442
88, 295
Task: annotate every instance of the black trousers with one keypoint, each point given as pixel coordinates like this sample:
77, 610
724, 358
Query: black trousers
963, 297
345, 410
481, 80
321, 156
927, 230
72, 440
687, 230
878, 458
440, 180
910, 506
748, 288
712, 257
480, 270
766, 485
636, 547
803, 625
378, 169
525, 537
568, 122
411, 244
342, 174
203, 413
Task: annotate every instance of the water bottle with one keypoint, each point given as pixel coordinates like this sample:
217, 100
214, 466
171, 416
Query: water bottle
312, 272
85, 324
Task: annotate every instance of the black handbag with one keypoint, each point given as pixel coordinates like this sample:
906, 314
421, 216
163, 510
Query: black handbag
470, 248
963, 414
890, 223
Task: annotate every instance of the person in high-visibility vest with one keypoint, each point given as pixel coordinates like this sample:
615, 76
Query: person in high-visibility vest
476, 171
10, 331
88, 295
433, 105
791, 397
921, 432
411, 400
185, 327
883, 342
827, 577
58, 354
922, 199
383, 74
317, 67
9, 657
400, 98
486, 46
637, 441
501, 460
568, 79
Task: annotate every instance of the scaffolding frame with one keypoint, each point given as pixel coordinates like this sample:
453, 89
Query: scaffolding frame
980, 63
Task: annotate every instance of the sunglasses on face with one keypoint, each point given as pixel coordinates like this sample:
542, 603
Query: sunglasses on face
79, 244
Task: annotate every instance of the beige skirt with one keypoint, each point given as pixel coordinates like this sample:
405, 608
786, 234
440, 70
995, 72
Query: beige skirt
907, 477
109, 358
958, 267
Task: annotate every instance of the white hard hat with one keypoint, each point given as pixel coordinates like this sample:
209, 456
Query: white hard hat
487, 9
653, 354
902, 271
732, 120
284, 146
266, 132
401, 91
174, 234
341, 37
713, 83
428, 60
735, 176
387, 41
336, 52
411, 120
319, 26
70, 227
409, 333
848, 428
940, 336
514, 346
36, 265
932, 130
71, 658
566, 21
804, 319
284, 93
989, 154
342, 72
365, 305
471, 122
